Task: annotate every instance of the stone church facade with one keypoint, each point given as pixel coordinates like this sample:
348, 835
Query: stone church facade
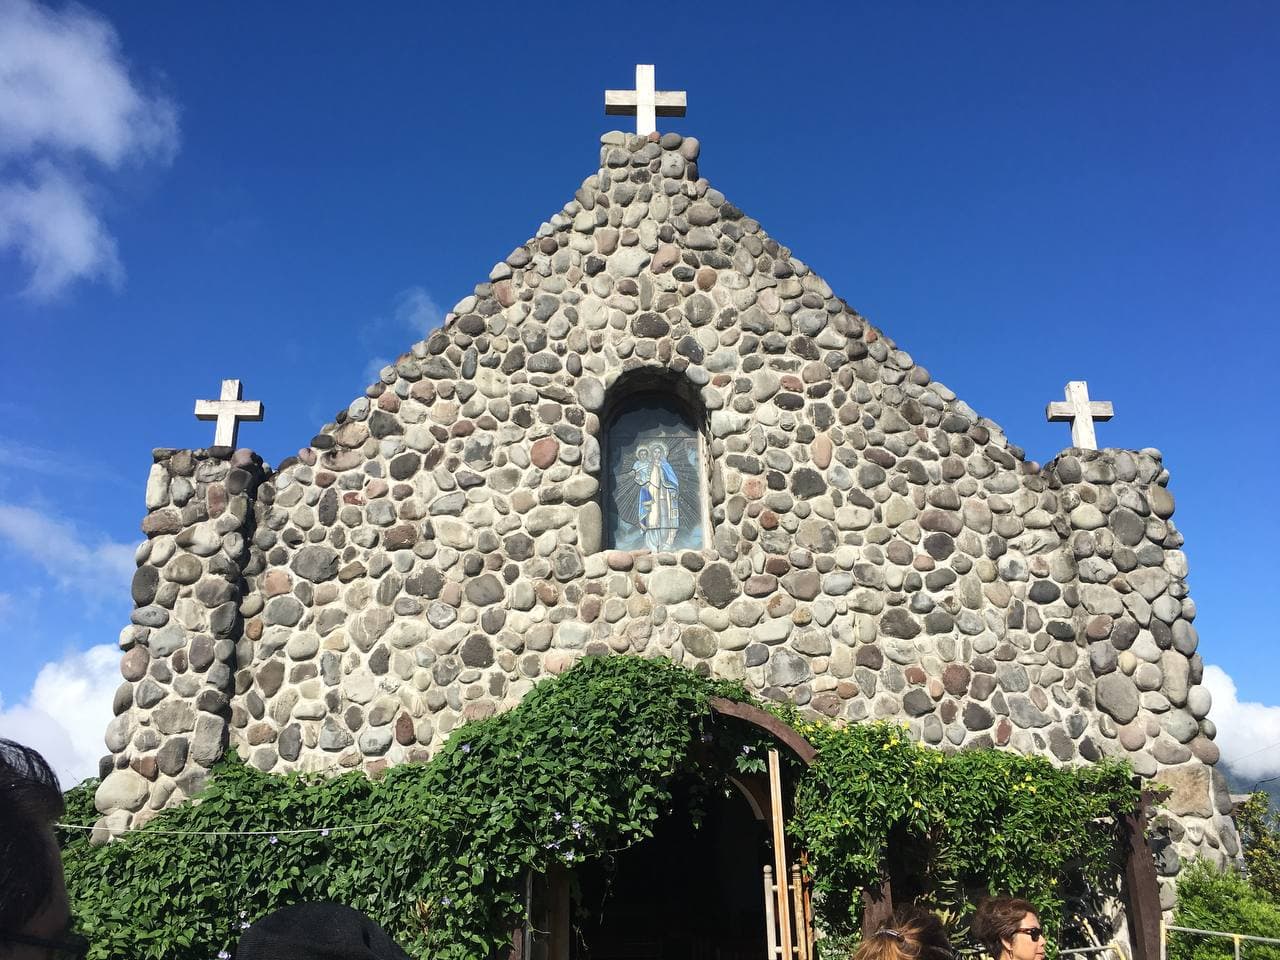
852, 536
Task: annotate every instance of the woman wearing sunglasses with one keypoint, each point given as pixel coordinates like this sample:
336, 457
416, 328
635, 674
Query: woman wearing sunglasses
1009, 928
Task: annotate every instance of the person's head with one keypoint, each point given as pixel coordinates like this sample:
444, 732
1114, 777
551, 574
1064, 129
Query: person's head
913, 934
317, 931
1009, 928
35, 919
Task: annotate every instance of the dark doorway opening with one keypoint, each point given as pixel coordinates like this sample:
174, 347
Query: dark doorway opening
694, 891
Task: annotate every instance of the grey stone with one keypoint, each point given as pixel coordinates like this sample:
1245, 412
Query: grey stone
484, 590
315, 563
1117, 695
671, 585
121, 790
333, 735
786, 669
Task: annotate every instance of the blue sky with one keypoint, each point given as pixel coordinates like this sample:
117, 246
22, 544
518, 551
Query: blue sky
1018, 194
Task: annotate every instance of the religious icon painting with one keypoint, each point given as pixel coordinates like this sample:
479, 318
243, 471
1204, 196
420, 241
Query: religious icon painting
654, 480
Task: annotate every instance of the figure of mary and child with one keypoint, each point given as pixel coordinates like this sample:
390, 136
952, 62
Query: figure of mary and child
658, 508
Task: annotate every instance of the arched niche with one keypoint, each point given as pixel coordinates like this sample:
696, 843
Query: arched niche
654, 465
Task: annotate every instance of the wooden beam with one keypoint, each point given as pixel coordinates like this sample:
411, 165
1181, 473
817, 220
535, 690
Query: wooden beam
1142, 886
767, 722
779, 853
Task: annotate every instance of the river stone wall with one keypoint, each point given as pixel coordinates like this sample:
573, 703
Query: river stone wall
876, 548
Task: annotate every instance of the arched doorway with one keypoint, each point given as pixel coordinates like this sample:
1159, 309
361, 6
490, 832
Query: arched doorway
691, 892
696, 889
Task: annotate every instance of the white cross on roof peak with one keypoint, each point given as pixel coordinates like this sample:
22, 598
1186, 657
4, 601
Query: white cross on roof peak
645, 103
228, 410
1081, 412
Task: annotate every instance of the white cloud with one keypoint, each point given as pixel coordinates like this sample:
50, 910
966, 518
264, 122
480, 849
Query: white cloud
413, 309
99, 570
1248, 732
66, 97
67, 711
55, 232
416, 310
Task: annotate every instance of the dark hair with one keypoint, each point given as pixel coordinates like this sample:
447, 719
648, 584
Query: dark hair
30, 800
997, 920
312, 931
913, 934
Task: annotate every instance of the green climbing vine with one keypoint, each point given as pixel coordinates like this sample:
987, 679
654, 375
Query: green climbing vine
877, 804
583, 766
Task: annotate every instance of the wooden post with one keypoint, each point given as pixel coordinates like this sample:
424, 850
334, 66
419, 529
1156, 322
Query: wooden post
877, 908
779, 853
558, 913
808, 902
1142, 887
797, 904
770, 919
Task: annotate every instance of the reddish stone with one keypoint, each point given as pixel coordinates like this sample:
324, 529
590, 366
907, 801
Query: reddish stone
589, 609
389, 402
1004, 730
923, 562
133, 665
451, 594
666, 257
753, 488
934, 687
705, 278
325, 479
165, 520
276, 582
948, 711
423, 390
777, 566
374, 768
404, 730
463, 428
503, 293
792, 383
914, 674
307, 456
768, 519
955, 678
253, 629
820, 450
1099, 627
147, 766
543, 452
375, 488
400, 537
547, 592
760, 585
847, 689
619, 560
216, 497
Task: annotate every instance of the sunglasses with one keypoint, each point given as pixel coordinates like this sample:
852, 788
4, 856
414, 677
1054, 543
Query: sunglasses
73, 946
1035, 933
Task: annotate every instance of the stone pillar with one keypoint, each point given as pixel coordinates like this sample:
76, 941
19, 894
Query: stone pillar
179, 662
1152, 708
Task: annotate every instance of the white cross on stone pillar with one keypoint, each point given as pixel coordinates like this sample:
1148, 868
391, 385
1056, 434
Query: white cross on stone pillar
1081, 412
228, 410
644, 103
